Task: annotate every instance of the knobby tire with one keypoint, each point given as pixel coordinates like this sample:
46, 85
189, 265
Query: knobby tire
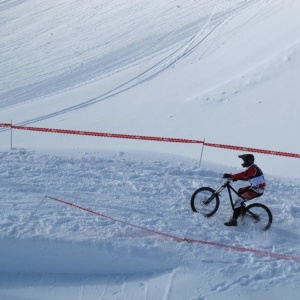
259, 216
199, 205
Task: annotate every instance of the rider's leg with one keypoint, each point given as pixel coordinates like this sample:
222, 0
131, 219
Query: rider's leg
245, 194
238, 207
236, 212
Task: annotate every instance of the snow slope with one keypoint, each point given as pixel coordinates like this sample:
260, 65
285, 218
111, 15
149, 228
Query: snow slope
226, 71
205, 63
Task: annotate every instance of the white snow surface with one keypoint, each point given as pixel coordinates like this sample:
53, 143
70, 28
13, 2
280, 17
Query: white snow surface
224, 71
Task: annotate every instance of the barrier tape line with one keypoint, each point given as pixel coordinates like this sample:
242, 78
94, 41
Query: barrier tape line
187, 240
102, 134
240, 148
150, 138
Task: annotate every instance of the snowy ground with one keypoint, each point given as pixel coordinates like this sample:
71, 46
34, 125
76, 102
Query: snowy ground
47, 246
226, 71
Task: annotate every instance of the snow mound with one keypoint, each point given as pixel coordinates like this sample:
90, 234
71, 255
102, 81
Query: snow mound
58, 257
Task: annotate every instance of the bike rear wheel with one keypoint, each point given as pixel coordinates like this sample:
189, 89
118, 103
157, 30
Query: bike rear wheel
205, 201
258, 216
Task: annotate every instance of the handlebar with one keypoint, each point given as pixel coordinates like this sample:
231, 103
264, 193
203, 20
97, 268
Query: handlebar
230, 179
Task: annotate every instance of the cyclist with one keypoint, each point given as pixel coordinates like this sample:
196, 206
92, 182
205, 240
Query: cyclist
255, 176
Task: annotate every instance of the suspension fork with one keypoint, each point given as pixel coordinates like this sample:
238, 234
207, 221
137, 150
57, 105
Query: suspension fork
215, 193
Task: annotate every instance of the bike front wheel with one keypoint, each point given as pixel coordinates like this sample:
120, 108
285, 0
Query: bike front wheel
205, 201
258, 216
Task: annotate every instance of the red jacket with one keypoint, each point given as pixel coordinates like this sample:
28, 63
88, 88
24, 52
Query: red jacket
254, 175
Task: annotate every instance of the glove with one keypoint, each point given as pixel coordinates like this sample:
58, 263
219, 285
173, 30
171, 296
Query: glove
226, 175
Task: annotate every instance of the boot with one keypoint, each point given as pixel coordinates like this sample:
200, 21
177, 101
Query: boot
231, 222
236, 212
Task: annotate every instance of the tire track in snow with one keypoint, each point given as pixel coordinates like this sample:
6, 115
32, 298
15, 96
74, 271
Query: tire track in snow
168, 288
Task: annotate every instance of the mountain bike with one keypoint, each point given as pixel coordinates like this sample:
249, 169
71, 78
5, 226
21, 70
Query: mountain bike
206, 200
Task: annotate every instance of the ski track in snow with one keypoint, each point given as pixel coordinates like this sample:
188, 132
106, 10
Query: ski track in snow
211, 23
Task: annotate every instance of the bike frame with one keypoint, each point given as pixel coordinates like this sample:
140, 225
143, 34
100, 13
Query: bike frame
227, 185
257, 211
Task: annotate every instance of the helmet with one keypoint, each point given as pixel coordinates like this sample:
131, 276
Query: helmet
248, 159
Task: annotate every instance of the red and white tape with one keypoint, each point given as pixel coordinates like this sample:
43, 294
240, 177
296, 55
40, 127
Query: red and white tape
183, 239
149, 138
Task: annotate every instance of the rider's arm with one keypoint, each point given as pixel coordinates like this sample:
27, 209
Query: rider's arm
240, 176
245, 175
